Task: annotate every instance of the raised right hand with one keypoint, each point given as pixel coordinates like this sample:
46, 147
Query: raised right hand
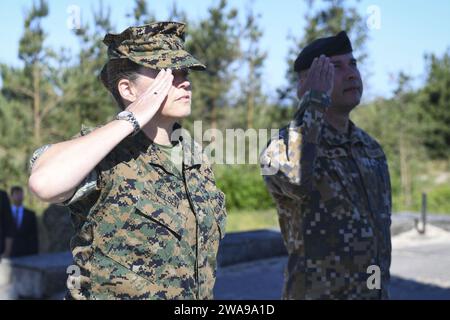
320, 76
145, 106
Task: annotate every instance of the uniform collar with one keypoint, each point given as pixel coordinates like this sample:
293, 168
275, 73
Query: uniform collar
192, 155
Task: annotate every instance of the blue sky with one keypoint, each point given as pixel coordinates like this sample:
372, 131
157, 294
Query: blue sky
408, 30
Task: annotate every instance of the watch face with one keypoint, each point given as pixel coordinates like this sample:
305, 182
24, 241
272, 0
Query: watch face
123, 114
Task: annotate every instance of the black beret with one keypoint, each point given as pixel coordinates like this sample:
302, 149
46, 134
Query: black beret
330, 46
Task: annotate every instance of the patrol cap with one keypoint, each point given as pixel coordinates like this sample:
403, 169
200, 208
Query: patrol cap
330, 46
158, 45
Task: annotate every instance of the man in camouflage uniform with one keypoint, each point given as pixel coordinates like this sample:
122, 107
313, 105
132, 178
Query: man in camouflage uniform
331, 185
146, 226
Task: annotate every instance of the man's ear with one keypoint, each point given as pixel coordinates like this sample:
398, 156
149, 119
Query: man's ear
300, 83
126, 90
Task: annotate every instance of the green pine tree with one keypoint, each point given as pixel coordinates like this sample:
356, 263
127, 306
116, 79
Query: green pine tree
253, 58
327, 20
140, 14
214, 41
435, 102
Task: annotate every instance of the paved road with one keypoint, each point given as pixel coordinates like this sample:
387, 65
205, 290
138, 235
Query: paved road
420, 270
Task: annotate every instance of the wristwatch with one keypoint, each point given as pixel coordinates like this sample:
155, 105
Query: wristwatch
129, 116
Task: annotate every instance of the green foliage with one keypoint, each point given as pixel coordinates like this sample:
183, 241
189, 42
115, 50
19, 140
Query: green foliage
54, 91
243, 186
92, 104
435, 103
324, 21
214, 41
254, 61
31, 43
439, 199
244, 220
141, 14
398, 125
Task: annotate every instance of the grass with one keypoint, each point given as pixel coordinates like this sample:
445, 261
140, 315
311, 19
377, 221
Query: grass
244, 220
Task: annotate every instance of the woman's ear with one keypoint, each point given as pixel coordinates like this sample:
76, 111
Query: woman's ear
127, 90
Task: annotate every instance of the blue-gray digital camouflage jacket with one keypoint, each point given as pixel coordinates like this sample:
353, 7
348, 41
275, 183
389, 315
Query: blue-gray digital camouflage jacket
333, 195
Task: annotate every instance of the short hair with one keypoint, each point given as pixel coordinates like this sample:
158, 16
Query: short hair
116, 70
16, 189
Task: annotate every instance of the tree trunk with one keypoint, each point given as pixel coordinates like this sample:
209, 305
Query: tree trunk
251, 96
404, 173
36, 105
213, 120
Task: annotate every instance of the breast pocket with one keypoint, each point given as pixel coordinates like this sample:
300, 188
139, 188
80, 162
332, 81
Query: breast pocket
333, 179
150, 243
156, 219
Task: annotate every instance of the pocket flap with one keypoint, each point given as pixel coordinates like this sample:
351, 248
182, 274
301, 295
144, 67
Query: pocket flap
163, 214
375, 153
332, 153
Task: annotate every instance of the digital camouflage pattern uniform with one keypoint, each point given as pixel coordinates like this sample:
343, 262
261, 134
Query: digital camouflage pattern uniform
145, 230
333, 197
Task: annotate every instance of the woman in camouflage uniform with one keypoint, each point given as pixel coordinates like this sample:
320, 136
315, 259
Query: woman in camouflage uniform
147, 213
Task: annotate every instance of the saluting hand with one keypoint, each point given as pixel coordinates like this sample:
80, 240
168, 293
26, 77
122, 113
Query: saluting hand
145, 106
320, 76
